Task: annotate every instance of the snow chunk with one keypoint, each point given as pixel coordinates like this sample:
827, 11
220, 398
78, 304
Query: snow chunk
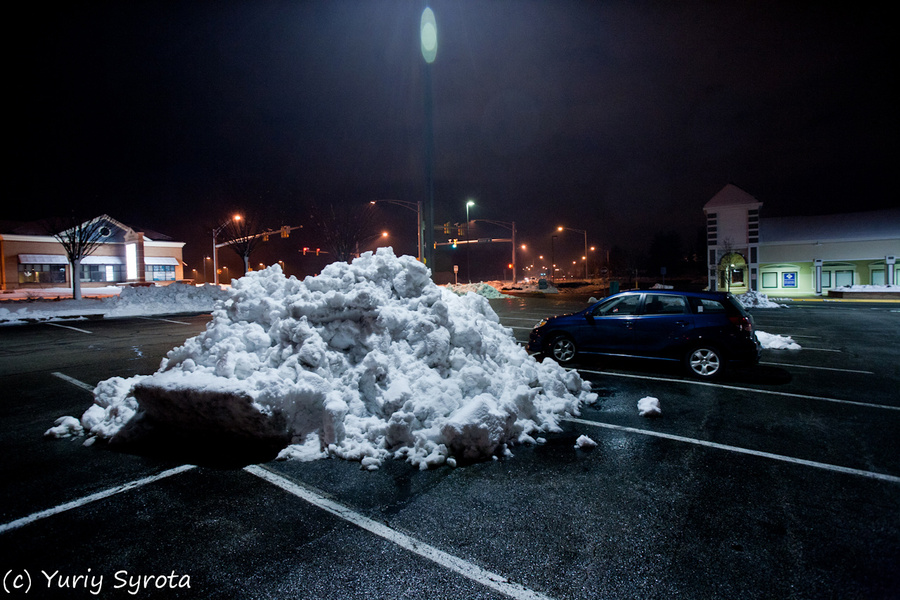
776, 342
65, 427
366, 361
649, 407
585, 443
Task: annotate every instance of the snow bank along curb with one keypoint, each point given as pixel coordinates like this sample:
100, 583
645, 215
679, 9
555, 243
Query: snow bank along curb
366, 361
132, 301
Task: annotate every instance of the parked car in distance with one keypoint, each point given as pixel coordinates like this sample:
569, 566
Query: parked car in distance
703, 330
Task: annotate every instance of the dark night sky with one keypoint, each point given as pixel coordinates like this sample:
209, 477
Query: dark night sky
622, 118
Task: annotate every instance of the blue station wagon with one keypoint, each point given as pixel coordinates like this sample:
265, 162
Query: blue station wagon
703, 330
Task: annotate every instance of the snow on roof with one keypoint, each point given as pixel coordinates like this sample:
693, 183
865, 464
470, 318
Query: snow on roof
730, 195
365, 361
859, 226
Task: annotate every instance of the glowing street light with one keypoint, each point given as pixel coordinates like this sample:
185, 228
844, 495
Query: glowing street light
428, 35
561, 228
417, 208
215, 249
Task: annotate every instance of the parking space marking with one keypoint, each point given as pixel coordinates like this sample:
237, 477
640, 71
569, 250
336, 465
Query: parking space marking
166, 320
92, 498
742, 389
73, 381
820, 368
70, 327
466, 569
821, 349
769, 455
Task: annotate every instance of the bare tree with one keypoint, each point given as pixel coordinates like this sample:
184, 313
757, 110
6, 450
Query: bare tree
79, 239
345, 227
244, 235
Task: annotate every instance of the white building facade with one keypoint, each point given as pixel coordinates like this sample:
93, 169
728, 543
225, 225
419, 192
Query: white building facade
29, 259
796, 256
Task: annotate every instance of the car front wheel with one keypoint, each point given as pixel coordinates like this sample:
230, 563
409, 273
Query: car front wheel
562, 349
704, 362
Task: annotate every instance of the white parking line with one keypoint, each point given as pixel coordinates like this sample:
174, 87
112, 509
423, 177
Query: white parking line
741, 389
92, 498
820, 368
821, 349
781, 457
166, 320
73, 381
466, 569
69, 327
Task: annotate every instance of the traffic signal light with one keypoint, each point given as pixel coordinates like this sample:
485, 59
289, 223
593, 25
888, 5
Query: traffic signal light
285, 231
305, 250
453, 243
447, 228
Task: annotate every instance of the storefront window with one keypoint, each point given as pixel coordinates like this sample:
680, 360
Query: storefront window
42, 273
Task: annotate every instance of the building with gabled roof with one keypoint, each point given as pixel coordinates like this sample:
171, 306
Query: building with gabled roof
30, 257
792, 256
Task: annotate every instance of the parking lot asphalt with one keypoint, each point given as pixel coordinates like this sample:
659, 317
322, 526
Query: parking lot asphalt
781, 481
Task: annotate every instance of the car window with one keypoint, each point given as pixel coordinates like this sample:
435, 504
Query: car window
623, 305
661, 304
704, 306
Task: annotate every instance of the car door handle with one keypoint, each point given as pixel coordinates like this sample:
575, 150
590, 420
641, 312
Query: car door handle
681, 323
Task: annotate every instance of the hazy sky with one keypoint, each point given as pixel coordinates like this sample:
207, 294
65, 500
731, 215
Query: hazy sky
621, 118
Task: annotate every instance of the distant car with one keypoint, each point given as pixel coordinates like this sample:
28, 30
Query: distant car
703, 330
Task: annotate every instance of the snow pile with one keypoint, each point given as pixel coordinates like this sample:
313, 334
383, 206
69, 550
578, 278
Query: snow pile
366, 361
482, 289
776, 342
585, 443
758, 300
868, 288
649, 407
176, 297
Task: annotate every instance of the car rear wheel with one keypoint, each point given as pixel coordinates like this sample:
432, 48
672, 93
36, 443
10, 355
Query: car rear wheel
704, 362
562, 349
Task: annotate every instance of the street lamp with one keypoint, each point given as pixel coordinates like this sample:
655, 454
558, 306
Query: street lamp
215, 249
561, 228
428, 38
468, 241
417, 208
552, 257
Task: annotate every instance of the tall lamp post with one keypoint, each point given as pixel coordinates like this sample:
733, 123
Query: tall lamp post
428, 38
561, 228
468, 241
553, 258
215, 249
417, 208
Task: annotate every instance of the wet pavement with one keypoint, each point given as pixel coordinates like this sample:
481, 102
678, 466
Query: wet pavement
778, 482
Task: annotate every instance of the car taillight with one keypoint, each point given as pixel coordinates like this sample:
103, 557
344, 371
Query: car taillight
742, 323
